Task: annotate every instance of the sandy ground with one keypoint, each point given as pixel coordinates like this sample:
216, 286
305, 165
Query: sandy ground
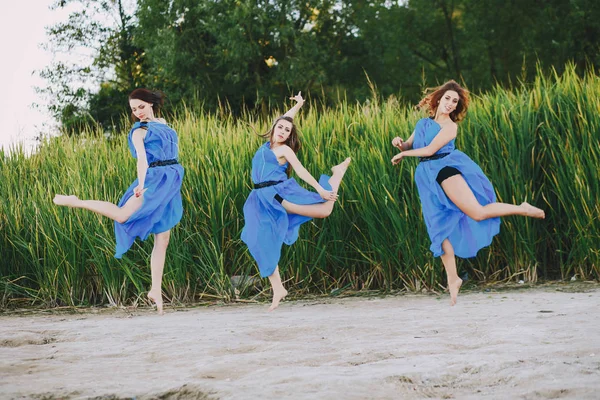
541, 343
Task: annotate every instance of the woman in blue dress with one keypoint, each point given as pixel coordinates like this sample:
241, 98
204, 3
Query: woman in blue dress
278, 205
458, 201
152, 204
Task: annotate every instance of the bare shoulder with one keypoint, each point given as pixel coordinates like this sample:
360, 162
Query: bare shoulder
290, 153
450, 126
285, 148
285, 152
139, 133
282, 150
162, 120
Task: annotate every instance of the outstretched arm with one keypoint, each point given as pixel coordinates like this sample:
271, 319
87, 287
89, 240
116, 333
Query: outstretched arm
142, 161
442, 138
303, 174
294, 110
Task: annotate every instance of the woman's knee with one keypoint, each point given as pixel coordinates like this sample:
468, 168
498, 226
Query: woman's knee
123, 217
327, 210
447, 248
128, 209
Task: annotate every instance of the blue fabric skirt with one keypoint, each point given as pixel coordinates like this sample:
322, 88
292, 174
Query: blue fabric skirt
161, 207
268, 225
446, 221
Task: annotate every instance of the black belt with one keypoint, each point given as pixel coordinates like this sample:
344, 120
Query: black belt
433, 157
266, 184
162, 163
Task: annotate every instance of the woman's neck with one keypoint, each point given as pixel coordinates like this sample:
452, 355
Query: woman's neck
441, 117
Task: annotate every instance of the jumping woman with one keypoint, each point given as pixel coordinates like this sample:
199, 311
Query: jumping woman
458, 201
278, 205
152, 204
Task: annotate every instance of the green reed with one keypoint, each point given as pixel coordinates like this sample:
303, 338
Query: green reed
536, 142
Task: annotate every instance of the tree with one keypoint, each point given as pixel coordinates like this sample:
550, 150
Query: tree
250, 54
84, 92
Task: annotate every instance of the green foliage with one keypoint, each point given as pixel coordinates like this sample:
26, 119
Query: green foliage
250, 54
537, 143
103, 30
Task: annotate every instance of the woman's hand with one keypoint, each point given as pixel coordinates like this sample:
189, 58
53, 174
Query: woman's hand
298, 98
327, 195
139, 190
397, 158
398, 142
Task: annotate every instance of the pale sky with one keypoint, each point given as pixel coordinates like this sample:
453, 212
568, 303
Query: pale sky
21, 32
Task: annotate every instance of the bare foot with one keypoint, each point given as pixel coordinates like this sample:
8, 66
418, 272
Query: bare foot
341, 168
156, 297
532, 211
277, 297
454, 287
62, 200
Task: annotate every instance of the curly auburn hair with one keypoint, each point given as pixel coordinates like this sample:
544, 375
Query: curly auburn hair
431, 101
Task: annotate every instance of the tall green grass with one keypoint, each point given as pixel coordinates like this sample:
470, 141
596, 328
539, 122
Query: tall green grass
538, 143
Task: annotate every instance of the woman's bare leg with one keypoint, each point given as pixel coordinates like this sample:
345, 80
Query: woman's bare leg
279, 291
449, 261
321, 210
110, 210
459, 192
157, 265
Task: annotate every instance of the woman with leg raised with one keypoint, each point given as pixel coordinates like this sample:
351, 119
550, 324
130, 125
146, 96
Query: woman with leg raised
458, 201
152, 204
278, 205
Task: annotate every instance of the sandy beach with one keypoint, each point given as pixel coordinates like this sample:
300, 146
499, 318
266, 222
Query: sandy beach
539, 343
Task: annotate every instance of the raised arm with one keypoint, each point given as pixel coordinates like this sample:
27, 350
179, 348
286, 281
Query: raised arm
303, 174
142, 162
294, 110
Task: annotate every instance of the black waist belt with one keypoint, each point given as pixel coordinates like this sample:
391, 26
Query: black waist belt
266, 184
162, 163
433, 157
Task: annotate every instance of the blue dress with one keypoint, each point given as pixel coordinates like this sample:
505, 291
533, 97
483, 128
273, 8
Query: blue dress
161, 208
443, 219
267, 223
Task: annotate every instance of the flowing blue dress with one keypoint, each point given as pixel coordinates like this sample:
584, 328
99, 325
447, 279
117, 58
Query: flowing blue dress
443, 219
161, 208
267, 224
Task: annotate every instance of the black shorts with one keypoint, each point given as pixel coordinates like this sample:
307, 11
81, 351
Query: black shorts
446, 173
279, 198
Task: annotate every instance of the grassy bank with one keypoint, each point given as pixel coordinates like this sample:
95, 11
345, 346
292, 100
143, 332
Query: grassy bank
538, 143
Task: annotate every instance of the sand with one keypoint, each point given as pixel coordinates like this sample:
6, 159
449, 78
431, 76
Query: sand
541, 343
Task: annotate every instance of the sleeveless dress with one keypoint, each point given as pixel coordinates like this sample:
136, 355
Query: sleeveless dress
161, 208
443, 219
267, 223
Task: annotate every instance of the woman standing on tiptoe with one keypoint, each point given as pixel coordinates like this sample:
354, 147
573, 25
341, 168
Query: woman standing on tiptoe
278, 205
458, 201
152, 204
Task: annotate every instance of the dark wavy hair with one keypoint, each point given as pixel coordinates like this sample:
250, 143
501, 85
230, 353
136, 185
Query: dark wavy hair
293, 141
156, 98
431, 101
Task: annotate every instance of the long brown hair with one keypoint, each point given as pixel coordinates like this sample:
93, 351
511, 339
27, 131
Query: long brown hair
156, 98
431, 101
293, 141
